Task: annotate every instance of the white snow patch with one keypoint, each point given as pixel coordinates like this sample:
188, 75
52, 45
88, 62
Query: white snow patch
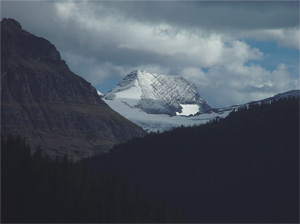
188, 109
99, 93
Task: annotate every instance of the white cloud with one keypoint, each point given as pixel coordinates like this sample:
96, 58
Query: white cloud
91, 69
197, 48
285, 37
196, 76
96, 72
231, 77
163, 39
224, 87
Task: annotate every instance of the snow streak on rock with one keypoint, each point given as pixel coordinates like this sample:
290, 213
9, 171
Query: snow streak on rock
158, 94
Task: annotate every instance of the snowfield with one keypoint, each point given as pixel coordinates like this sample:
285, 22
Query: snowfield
161, 122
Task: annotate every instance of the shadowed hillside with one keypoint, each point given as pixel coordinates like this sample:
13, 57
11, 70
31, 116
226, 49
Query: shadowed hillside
244, 168
37, 189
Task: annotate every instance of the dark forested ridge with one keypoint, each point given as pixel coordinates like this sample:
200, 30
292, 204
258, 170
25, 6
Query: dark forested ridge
37, 189
244, 168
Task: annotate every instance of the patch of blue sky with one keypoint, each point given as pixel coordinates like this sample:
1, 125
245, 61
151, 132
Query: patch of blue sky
275, 55
107, 84
205, 70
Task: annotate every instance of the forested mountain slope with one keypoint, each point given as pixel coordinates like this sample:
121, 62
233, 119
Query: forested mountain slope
244, 168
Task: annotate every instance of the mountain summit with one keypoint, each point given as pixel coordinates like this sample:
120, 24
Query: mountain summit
51, 106
158, 94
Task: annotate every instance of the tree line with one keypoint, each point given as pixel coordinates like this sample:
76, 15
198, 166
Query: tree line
37, 189
243, 168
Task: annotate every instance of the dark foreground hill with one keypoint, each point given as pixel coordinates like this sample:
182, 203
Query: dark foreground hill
244, 168
35, 189
42, 100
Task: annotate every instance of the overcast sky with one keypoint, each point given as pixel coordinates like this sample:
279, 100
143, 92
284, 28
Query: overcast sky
234, 52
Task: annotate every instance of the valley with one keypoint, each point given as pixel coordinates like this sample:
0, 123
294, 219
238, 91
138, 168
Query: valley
150, 150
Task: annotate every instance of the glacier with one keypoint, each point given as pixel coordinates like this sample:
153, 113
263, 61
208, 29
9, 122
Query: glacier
162, 122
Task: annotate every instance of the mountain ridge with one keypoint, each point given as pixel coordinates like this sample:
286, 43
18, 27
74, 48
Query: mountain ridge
51, 106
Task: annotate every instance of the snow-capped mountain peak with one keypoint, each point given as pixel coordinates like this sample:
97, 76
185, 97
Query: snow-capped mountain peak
148, 100
158, 94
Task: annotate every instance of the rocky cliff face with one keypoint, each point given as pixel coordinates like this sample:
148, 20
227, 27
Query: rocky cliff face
45, 102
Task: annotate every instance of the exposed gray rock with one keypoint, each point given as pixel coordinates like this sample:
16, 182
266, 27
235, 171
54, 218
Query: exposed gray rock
160, 94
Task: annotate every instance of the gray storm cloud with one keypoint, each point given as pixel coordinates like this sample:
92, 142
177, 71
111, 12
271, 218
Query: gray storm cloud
250, 15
